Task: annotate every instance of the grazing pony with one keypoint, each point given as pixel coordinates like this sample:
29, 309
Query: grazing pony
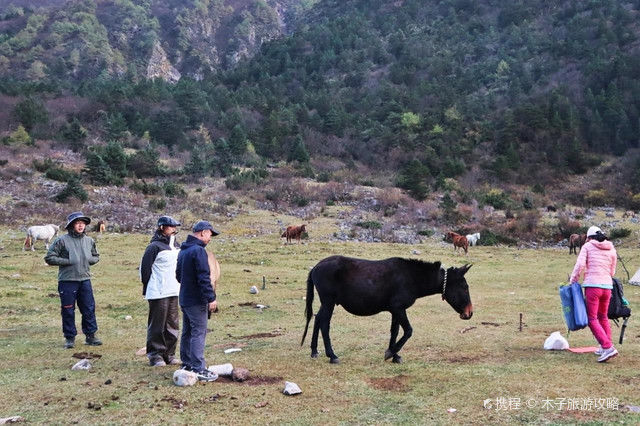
41, 232
576, 241
459, 241
473, 238
367, 287
294, 232
101, 226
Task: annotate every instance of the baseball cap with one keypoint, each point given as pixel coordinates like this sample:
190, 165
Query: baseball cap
203, 225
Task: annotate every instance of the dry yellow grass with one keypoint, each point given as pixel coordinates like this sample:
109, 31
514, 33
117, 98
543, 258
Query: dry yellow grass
443, 367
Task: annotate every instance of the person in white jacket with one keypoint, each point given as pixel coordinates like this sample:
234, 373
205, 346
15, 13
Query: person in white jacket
161, 289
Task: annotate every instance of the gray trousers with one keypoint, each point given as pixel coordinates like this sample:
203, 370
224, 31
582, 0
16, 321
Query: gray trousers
194, 332
162, 328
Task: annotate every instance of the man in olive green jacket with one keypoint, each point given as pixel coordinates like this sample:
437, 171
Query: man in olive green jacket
73, 253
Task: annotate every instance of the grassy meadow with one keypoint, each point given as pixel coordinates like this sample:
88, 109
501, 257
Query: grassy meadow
448, 363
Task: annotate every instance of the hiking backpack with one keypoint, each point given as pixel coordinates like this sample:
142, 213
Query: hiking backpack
619, 307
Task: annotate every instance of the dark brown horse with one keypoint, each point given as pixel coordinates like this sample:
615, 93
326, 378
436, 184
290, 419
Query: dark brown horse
294, 232
576, 241
459, 241
367, 287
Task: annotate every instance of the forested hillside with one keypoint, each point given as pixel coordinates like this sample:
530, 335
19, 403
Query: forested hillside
407, 93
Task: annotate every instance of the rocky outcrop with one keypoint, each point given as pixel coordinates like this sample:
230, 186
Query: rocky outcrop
160, 67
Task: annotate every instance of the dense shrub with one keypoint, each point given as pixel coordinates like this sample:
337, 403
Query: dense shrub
369, 224
497, 199
157, 204
74, 189
246, 179
59, 173
172, 189
619, 233
146, 188
490, 238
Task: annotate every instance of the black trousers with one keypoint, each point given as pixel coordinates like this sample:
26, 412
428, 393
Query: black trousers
80, 292
162, 328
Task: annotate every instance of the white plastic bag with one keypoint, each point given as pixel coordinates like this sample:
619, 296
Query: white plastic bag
555, 342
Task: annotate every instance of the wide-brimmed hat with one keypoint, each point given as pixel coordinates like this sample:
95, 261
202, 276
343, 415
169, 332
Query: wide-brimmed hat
76, 216
167, 221
203, 225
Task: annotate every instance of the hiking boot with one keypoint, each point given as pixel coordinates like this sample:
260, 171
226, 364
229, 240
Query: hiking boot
206, 376
69, 342
599, 351
158, 362
92, 340
607, 354
173, 361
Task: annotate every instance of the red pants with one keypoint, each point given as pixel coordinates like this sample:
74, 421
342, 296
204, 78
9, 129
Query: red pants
597, 300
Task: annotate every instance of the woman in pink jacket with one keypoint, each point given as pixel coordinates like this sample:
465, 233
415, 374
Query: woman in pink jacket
598, 259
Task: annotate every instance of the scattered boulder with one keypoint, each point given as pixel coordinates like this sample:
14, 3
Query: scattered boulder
253, 289
12, 419
222, 369
291, 388
556, 342
83, 364
240, 374
142, 351
232, 350
184, 378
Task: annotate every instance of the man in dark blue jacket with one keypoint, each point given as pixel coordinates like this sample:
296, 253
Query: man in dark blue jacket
197, 298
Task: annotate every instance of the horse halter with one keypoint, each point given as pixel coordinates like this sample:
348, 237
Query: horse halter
444, 284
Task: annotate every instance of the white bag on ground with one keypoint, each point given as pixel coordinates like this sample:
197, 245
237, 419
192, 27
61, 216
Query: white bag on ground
184, 378
556, 342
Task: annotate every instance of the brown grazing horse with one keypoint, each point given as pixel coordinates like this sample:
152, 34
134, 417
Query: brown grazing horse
367, 287
459, 241
101, 226
576, 241
294, 232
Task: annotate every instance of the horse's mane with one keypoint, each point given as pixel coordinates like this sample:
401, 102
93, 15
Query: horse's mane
431, 266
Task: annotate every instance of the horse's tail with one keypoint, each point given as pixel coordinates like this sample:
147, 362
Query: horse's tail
308, 311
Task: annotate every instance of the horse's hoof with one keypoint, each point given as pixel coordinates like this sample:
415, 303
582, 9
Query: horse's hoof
314, 355
388, 354
334, 361
397, 359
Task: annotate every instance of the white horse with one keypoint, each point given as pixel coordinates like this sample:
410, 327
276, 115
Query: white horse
43, 232
473, 238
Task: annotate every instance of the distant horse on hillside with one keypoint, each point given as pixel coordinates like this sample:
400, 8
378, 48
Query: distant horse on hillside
40, 232
473, 238
101, 226
294, 232
459, 241
576, 241
367, 287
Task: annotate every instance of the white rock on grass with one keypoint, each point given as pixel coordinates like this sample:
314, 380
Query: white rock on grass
556, 342
83, 364
291, 388
253, 289
232, 350
184, 378
221, 369
12, 419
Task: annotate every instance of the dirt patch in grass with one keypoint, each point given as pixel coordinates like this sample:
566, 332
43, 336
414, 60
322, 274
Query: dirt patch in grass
175, 402
260, 335
86, 355
395, 384
253, 380
455, 359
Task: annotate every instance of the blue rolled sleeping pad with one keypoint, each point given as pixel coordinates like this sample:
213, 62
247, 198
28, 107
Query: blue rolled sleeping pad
573, 306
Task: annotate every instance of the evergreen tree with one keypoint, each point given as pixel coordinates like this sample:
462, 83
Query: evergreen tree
30, 112
299, 151
73, 189
238, 141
